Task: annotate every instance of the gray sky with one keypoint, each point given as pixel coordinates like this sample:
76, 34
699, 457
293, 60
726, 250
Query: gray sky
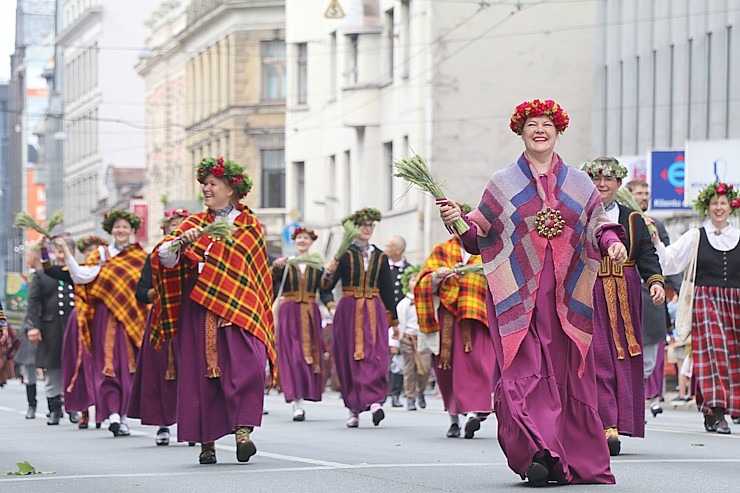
7, 37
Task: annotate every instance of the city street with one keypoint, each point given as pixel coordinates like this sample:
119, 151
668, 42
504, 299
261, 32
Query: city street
407, 453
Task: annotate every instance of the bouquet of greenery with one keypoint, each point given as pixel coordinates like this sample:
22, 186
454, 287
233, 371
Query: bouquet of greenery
415, 171
351, 232
25, 220
217, 229
310, 259
624, 196
461, 270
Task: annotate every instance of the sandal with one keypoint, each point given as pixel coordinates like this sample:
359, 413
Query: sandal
245, 448
207, 453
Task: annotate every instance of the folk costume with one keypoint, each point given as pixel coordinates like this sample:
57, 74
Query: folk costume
397, 363
359, 337
111, 321
6, 363
539, 239
458, 334
214, 298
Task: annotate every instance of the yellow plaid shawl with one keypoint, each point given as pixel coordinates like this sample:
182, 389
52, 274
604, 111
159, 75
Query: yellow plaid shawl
463, 296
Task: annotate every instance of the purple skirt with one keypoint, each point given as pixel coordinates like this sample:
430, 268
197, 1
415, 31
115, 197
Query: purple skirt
542, 406
82, 394
620, 382
112, 393
210, 408
297, 378
153, 396
656, 380
466, 386
363, 382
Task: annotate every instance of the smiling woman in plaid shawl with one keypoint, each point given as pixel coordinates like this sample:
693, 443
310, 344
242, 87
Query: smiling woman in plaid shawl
215, 295
110, 319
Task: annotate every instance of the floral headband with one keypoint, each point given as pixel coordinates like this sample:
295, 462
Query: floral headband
537, 107
715, 190
110, 218
169, 215
605, 166
408, 273
309, 232
366, 214
88, 241
227, 170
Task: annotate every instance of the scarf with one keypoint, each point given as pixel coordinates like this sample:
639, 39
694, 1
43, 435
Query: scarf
513, 252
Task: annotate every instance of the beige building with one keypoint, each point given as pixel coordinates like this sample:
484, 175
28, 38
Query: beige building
235, 90
396, 77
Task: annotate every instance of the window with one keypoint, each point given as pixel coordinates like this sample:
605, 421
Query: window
671, 92
347, 182
300, 188
406, 39
333, 66
302, 73
273, 178
637, 103
728, 77
352, 59
709, 86
689, 99
273, 70
389, 43
388, 157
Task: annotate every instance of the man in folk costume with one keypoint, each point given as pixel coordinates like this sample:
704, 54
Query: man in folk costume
214, 294
457, 333
395, 248
111, 320
359, 334
617, 338
154, 393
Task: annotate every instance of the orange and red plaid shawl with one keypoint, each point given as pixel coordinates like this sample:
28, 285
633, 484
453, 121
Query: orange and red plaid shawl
463, 296
235, 283
115, 286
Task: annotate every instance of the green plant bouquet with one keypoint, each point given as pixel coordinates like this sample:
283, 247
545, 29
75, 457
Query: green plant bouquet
624, 196
310, 259
25, 220
217, 229
351, 232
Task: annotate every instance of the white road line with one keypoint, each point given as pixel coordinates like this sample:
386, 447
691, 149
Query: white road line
691, 432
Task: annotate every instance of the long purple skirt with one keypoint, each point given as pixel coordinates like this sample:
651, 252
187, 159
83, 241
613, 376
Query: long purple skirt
153, 397
466, 386
363, 382
620, 382
297, 378
656, 381
112, 393
210, 408
82, 394
542, 406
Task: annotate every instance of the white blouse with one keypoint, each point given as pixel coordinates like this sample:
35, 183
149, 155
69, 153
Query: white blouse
85, 274
675, 257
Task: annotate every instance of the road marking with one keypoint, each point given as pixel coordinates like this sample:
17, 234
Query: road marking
681, 431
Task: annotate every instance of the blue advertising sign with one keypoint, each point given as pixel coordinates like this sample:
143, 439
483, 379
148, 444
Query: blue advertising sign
667, 179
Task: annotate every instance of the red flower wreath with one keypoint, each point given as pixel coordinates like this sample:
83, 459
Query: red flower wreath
537, 107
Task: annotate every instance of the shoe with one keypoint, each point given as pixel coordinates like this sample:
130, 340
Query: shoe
31, 412
612, 441
97, 426
191, 444
537, 474
55, 410
163, 436
736, 421
245, 447
207, 453
656, 409
123, 431
422, 401
396, 401
678, 401
411, 405
114, 428
471, 427
84, 420
299, 415
74, 417
710, 424
353, 421
453, 431
378, 415
723, 428
265, 412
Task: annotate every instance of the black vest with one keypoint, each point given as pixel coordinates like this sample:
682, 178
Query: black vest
716, 268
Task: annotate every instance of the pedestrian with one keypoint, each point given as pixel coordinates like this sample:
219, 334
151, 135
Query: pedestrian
111, 320
617, 338
154, 391
457, 334
715, 324
300, 344
214, 296
50, 304
359, 343
395, 247
541, 230
25, 357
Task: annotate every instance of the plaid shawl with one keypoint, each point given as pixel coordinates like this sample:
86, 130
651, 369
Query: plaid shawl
463, 296
115, 286
235, 283
513, 253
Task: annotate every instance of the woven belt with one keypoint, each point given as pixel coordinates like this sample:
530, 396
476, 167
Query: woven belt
362, 298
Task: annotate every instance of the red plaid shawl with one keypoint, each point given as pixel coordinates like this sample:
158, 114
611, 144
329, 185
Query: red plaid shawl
235, 283
463, 296
115, 286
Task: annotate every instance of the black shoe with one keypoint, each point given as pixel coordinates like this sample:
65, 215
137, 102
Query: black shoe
55, 410
191, 444
114, 428
710, 424
396, 401
97, 426
453, 431
723, 428
84, 420
74, 418
245, 447
378, 416
422, 401
163, 436
537, 474
207, 453
471, 427
656, 409
31, 412
615, 446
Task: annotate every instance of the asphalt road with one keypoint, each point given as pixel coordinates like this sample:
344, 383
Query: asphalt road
408, 452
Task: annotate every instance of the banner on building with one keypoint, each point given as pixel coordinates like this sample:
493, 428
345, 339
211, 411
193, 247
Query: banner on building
667, 179
16, 292
139, 208
710, 161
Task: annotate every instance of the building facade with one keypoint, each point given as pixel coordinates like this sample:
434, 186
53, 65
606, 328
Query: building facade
440, 79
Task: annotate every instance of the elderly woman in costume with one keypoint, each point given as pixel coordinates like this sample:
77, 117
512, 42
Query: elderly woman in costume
111, 320
214, 294
458, 333
541, 231
300, 346
154, 393
360, 331
618, 311
715, 325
